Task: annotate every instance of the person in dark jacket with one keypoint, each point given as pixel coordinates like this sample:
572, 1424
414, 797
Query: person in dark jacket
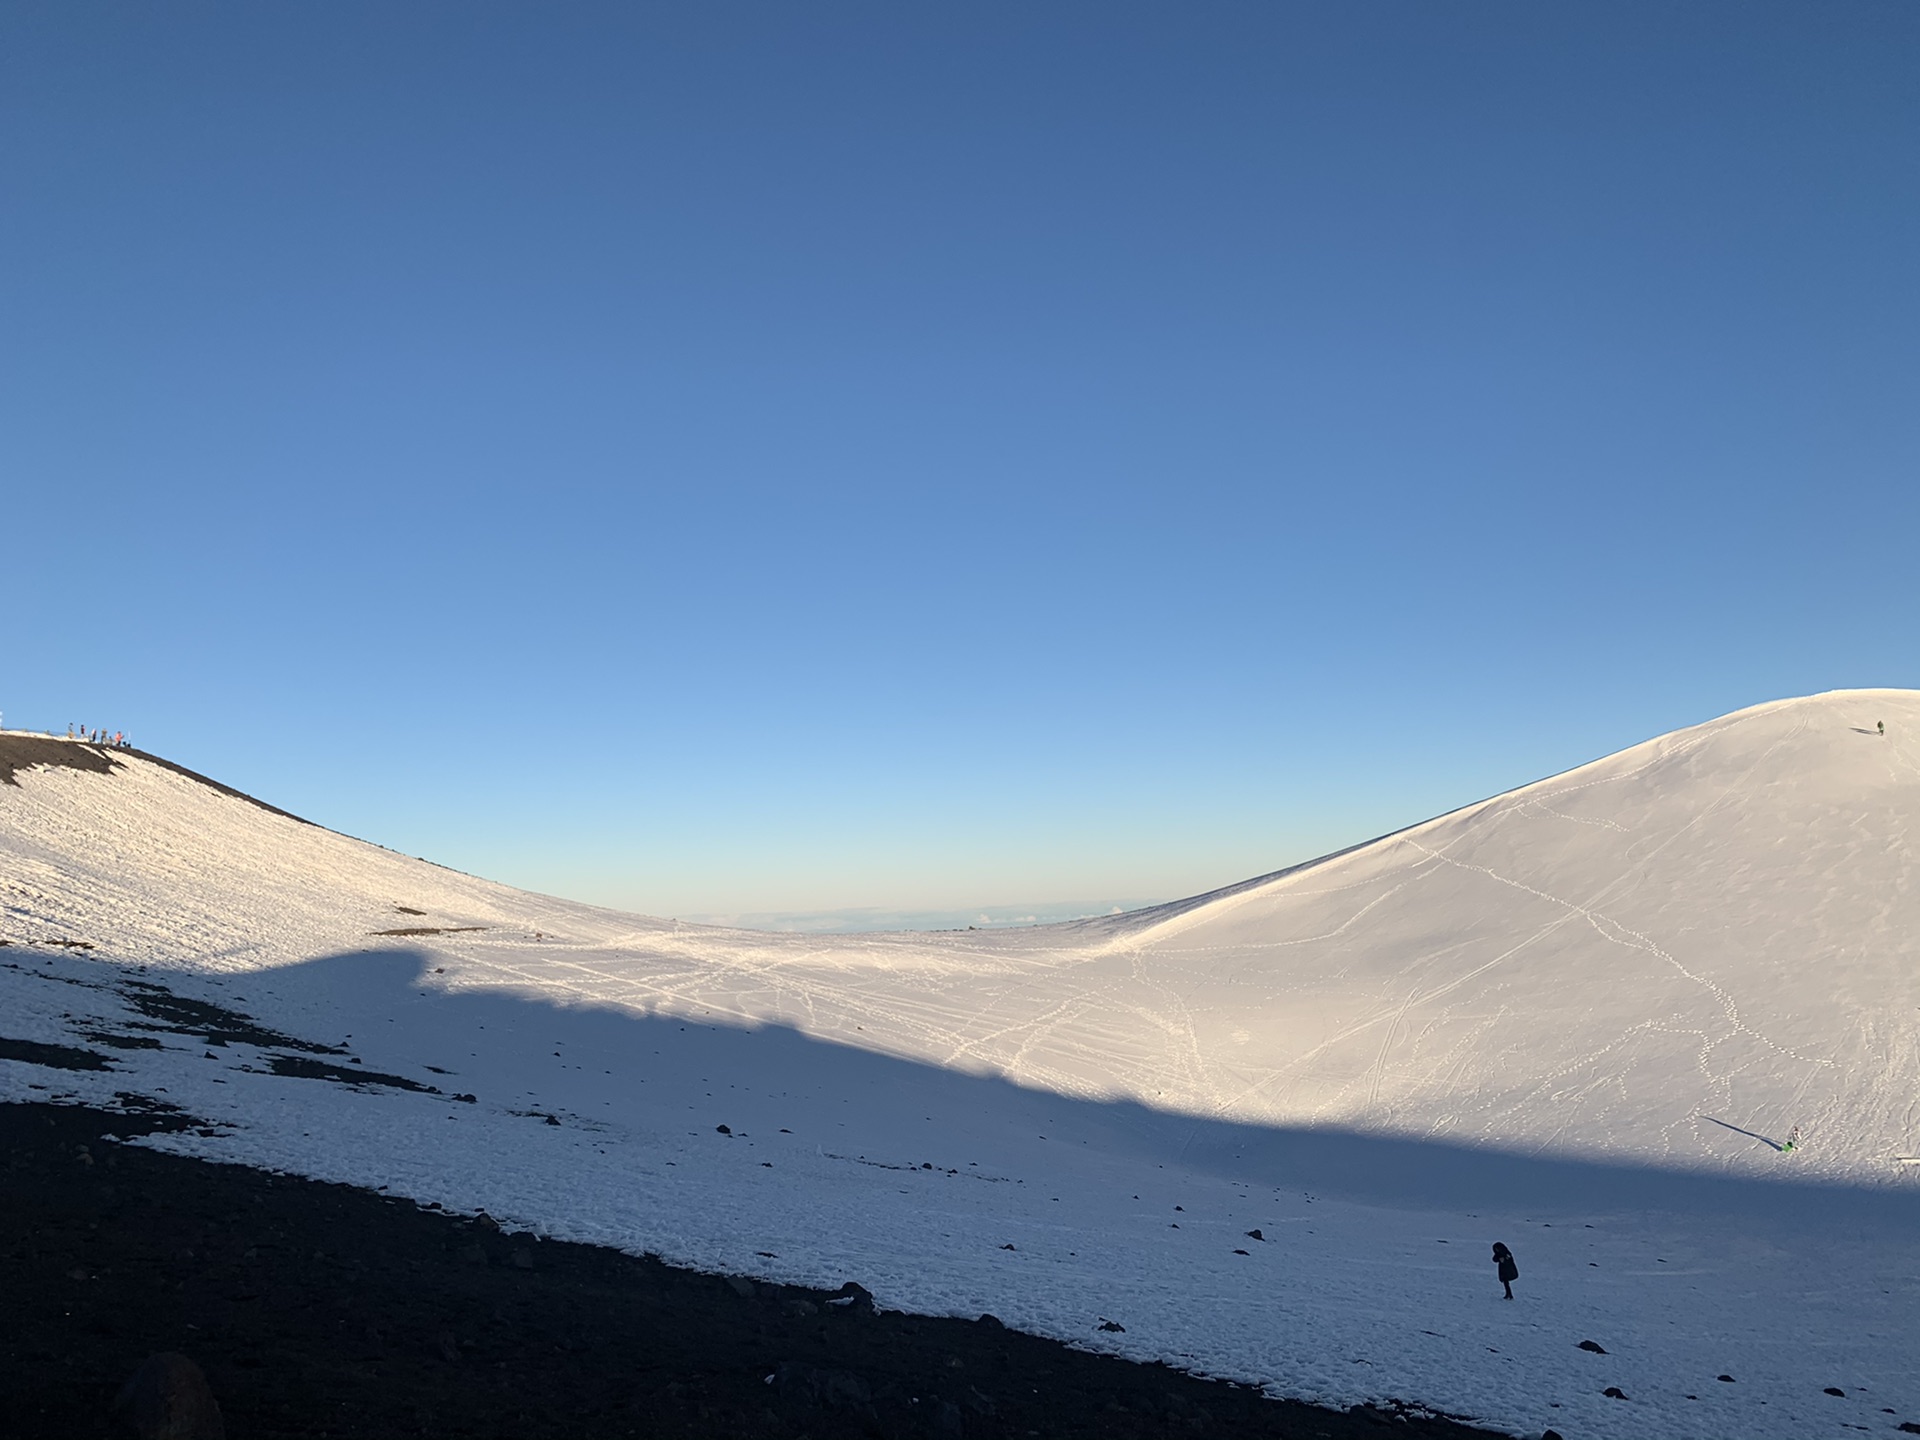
1509, 1272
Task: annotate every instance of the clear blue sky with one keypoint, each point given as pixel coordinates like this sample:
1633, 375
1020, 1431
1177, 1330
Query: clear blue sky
745, 458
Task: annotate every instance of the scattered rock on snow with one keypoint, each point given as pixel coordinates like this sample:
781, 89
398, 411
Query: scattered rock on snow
1112, 1327
722, 1129
1255, 1235
168, 1399
1592, 1347
1836, 1390
1727, 1378
1614, 1392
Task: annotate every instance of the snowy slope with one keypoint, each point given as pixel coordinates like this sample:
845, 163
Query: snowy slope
1591, 1002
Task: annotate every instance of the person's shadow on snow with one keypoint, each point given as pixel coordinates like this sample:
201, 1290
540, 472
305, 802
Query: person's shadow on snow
1770, 1143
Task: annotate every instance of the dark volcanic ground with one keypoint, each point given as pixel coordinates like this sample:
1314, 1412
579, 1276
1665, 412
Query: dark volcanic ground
320, 1310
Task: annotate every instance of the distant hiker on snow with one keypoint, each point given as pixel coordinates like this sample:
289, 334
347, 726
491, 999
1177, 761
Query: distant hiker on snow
1883, 726
1509, 1272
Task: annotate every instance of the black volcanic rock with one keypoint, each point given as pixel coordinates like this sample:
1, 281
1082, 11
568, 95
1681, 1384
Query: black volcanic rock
168, 1398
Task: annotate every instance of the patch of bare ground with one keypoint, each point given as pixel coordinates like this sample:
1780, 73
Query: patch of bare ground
27, 752
430, 930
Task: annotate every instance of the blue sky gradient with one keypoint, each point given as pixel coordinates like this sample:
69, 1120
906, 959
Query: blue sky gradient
758, 459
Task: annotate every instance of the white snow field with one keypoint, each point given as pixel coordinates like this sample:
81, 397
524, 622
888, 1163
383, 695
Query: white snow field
1579, 1018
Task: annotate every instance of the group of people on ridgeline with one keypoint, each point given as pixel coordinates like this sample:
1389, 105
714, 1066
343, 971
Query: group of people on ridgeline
117, 739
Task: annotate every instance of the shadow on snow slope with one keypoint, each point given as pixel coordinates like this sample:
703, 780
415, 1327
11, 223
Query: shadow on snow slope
523, 1054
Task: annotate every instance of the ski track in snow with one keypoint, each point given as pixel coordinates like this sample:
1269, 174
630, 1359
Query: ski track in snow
1660, 962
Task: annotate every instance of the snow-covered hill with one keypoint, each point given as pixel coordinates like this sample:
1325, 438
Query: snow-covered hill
1611, 992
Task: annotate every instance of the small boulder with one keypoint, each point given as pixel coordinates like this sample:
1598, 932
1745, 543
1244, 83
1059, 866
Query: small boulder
1614, 1392
1592, 1347
852, 1297
1728, 1379
168, 1399
722, 1130
1835, 1390
1113, 1327
1255, 1235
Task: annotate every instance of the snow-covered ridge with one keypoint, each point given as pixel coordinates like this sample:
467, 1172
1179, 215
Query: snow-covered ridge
1715, 926
1527, 1020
